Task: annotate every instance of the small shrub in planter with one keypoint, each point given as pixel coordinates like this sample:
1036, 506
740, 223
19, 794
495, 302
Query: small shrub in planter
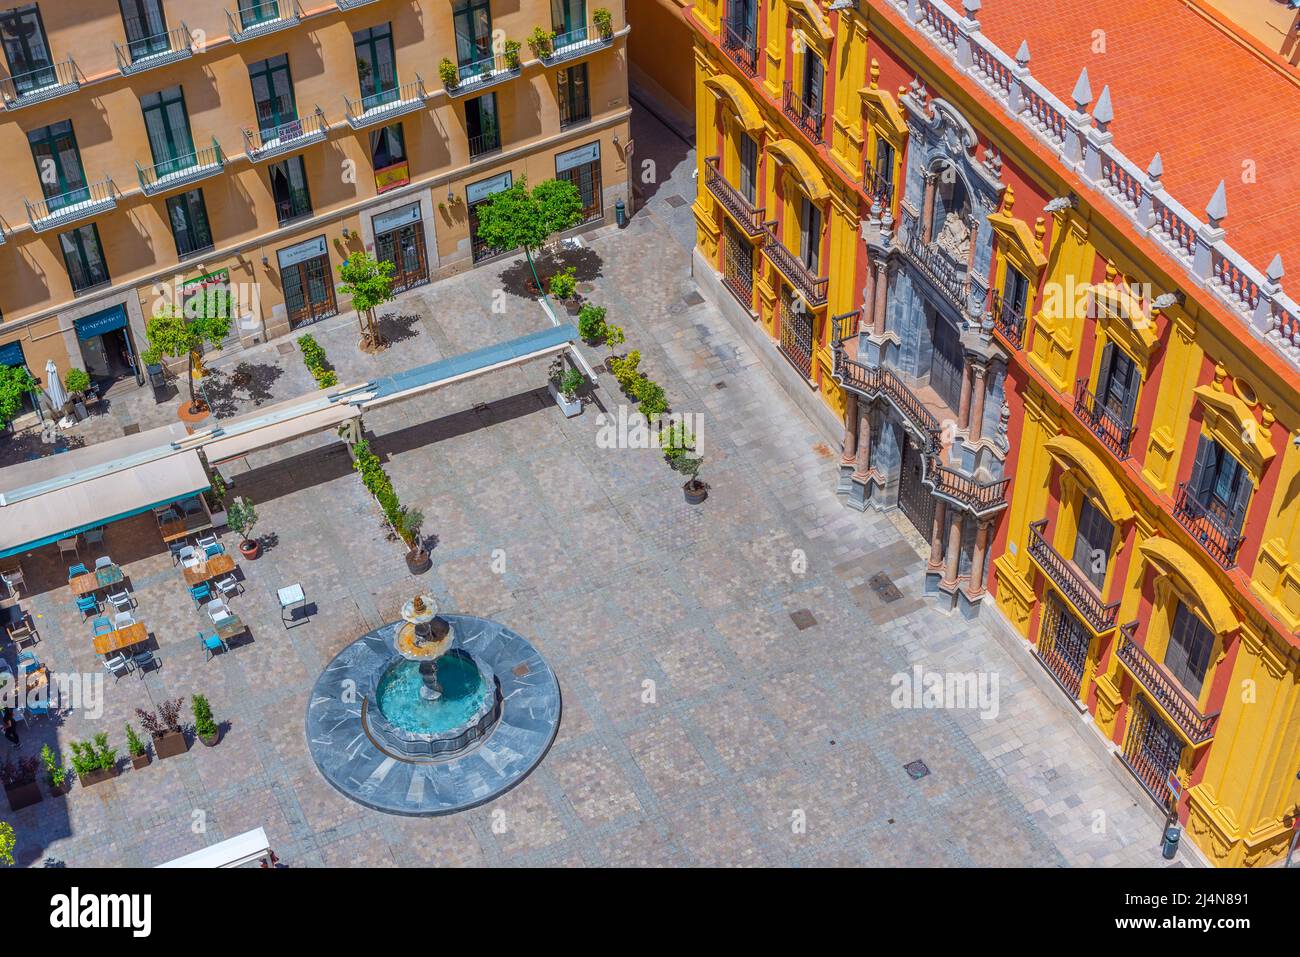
541, 42
93, 760
19, 778
512, 49
591, 323
136, 748
625, 369
164, 728
448, 73
7, 842
679, 449
313, 357
241, 517
604, 21
205, 727
77, 382
650, 396
55, 773
564, 285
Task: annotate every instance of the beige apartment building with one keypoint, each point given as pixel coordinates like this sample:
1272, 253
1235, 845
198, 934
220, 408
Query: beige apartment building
151, 147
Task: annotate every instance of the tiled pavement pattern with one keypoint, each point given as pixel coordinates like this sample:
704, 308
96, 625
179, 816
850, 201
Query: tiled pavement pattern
701, 724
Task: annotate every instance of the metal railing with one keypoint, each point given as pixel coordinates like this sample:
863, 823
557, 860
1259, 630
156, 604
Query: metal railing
1008, 321
882, 380
844, 327
576, 42
484, 143
263, 143
255, 18
182, 170
743, 51
938, 268
732, 200
384, 104
979, 497
1163, 688
36, 86
1071, 582
71, 206
482, 73
877, 184
812, 288
294, 206
1213, 531
144, 51
1102, 421
809, 117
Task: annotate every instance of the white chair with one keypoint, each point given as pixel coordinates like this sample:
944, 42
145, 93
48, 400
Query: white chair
12, 580
117, 665
121, 600
206, 540
68, 545
217, 609
123, 619
228, 586
103, 562
189, 557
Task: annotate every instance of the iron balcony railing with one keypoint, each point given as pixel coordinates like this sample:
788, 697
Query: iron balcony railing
182, 170
482, 73
484, 143
872, 381
294, 205
293, 134
1071, 582
878, 185
351, 4
1207, 526
812, 288
575, 43
937, 267
255, 18
979, 497
1008, 320
37, 86
1102, 421
382, 106
69, 207
844, 327
807, 116
143, 50
742, 50
733, 201
1164, 689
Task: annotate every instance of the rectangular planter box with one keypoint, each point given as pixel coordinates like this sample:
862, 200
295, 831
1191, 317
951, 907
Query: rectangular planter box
23, 795
170, 744
97, 777
570, 409
140, 761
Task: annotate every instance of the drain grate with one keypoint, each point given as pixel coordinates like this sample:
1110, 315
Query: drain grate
675, 201
803, 619
884, 587
1050, 774
285, 348
916, 770
131, 428
692, 299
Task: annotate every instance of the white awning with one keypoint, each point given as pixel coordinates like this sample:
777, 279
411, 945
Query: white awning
278, 432
241, 849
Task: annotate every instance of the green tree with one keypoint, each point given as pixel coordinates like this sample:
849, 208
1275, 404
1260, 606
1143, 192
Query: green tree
7, 842
204, 319
519, 217
370, 284
15, 382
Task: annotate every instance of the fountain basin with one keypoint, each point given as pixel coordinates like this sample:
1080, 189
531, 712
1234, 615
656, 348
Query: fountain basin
401, 718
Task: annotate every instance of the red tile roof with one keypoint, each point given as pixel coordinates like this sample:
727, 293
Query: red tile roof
1182, 86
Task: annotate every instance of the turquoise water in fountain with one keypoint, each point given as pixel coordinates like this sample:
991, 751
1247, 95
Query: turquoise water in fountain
463, 695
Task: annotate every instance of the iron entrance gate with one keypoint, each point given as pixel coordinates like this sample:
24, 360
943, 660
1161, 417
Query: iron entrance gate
1151, 749
913, 497
946, 362
1063, 644
796, 331
738, 266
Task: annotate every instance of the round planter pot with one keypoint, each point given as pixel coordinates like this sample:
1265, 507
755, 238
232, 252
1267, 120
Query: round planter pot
695, 494
250, 549
418, 561
210, 740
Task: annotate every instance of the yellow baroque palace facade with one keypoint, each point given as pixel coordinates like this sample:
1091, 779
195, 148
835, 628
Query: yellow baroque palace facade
1082, 395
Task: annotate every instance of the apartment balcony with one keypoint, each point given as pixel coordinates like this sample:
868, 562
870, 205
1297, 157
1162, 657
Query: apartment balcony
1164, 689
1071, 582
182, 171
72, 206
1207, 526
144, 51
938, 267
1008, 321
742, 51
749, 219
576, 43
256, 18
351, 4
812, 288
40, 85
480, 74
484, 143
285, 138
807, 116
873, 381
1102, 421
982, 498
877, 185
383, 106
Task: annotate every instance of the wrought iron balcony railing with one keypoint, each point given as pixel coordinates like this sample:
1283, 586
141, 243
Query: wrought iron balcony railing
480, 74
1071, 582
844, 327
1208, 526
1102, 421
809, 117
942, 271
575, 43
742, 50
383, 106
980, 497
182, 171
733, 201
144, 50
72, 206
256, 18
877, 184
872, 381
351, 4
37, 86
1008, 320
484, 143
261, 144
1163, 688
812, 288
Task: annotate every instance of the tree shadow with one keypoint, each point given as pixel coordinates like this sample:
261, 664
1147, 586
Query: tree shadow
584, 260
30, 445
394, 329
248, 382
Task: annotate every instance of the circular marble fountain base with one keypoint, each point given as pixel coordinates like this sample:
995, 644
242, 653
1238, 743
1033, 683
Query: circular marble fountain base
349, 758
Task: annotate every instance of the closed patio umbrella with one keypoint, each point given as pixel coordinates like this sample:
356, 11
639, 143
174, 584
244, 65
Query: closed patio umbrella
54, 387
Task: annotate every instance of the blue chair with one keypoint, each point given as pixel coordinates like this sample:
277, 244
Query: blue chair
211, 550
39, 710
211, 644
77, 569
200, 593
88, 606
101, 626
94, 536
28, 662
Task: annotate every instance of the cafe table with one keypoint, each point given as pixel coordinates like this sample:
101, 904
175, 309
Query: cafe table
91, 582
122, 638
222, 564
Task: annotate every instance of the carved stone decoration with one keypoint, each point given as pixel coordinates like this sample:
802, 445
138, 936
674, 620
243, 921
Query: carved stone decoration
954, 237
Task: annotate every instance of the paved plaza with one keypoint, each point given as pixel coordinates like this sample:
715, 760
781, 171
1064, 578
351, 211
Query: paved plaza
725, 668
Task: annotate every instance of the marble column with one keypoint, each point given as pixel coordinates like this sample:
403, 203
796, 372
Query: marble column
952, 559
963, 400
977, 560
881, 290
850, 429
978, 394
869, 299
927, 207
936, 534
858, 489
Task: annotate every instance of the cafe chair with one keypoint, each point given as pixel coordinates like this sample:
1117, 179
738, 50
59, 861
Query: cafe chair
100, 626
117, 665
77, 569
211, 645
121, 600
88, 606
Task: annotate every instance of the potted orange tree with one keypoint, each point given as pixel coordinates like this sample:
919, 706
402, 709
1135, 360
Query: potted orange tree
241, 516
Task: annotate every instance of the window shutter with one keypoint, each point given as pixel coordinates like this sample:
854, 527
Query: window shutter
1202, 479
1240, 499
1131, 388
1103, 375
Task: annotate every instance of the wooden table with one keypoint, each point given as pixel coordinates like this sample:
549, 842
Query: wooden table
179, 528
230, 627
221, 564
93, 581
122, 638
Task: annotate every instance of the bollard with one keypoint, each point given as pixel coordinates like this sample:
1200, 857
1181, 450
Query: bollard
620, 213
1171, 843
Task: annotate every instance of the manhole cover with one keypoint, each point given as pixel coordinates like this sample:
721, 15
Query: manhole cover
285, 348
884, 587
520, 670
131, 428
692, 299
1050, 774
802, 618
675, 201
916, 770
719, 385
